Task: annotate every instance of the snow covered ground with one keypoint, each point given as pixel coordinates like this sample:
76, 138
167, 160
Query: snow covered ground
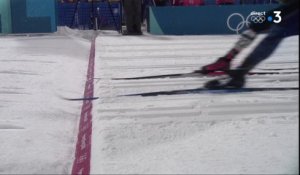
38, 127
245, 133
255, 132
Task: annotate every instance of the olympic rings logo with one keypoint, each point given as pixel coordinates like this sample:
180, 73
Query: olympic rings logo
258, 19
244, 21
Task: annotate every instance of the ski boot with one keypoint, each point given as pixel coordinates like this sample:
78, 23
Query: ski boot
221, 65
234, 81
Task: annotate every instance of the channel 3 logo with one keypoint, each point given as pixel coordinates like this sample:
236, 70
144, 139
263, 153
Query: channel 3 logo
236, 21
277, 18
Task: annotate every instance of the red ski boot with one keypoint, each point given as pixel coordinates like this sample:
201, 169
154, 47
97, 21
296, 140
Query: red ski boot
222, 64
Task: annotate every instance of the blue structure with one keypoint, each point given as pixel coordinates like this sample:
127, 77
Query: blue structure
5, 16
0, 25
201, 20
27, 16
33, 16
43, 16
82, 15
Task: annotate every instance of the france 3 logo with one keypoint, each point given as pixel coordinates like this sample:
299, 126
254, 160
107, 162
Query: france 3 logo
236, 21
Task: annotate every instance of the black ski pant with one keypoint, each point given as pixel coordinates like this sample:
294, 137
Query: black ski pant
288, 27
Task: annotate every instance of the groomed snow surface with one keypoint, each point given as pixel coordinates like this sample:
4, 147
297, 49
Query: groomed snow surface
209, 133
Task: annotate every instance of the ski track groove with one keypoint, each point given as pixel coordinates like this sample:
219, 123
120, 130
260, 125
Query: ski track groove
222, 112
291, 75
147, 56
136, 53
191, 82
174, 66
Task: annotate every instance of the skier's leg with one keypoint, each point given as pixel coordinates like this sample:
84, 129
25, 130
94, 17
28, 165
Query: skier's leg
264, 49
223, 63
289, 27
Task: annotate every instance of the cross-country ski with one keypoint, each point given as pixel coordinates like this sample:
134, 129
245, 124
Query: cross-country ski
213, 91
199, 74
